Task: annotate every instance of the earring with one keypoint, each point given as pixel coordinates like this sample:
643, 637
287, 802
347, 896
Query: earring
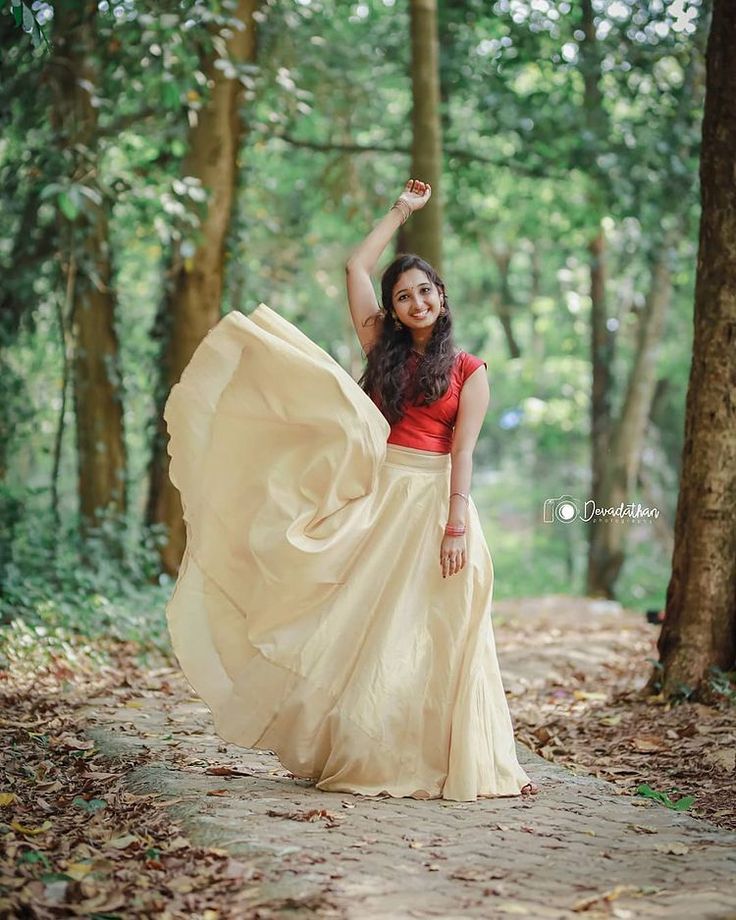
397, 322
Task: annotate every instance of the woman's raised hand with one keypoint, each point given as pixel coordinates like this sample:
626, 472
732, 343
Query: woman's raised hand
416, 193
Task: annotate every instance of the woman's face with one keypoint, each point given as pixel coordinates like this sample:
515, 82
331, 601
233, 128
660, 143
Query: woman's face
416, 299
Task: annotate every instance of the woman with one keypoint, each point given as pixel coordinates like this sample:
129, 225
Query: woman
329, 607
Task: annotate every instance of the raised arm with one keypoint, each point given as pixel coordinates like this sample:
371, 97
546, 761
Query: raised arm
364, 309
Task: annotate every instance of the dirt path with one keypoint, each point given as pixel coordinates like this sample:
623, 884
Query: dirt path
581, 845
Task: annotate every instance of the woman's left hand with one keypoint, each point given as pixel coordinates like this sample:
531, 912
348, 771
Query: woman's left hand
452, 555
416, 193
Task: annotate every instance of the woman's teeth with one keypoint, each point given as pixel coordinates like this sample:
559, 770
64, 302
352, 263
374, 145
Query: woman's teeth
421, 315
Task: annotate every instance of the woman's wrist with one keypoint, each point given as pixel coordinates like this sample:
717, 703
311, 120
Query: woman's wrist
402, 208
454, 530
458, 508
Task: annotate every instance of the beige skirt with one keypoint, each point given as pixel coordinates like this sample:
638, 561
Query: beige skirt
310, 613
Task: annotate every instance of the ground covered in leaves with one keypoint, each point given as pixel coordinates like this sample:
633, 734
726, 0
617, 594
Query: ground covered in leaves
577, 699
76, 842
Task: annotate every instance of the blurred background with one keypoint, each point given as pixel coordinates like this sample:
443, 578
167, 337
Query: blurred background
162, 164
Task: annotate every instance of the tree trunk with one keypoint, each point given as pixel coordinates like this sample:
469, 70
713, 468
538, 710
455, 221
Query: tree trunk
617, 457
699, 631
95, 360
536, 339
423, 231
193, 297
620, 465
601, 350
505, 300
602, 342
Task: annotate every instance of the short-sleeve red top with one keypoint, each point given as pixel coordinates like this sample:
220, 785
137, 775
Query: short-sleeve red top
431, 427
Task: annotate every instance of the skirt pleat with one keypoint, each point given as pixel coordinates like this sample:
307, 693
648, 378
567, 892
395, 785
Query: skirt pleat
310, 613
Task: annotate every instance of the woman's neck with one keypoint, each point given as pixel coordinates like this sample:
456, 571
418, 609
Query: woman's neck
420, 340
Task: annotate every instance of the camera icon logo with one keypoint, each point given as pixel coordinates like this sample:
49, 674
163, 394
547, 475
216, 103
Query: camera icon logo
563, 509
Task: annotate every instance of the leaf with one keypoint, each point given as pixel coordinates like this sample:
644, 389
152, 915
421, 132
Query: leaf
78, 871
170, 95
6, 798
684, 803
67, 206
648, 743
176, 843
722, 759
100, 904
92, 193
681, 805
34, 856
123, 842
478, 873
646, 790
226, 771
585, 695
29, 19
21, 828
314, 814
91, 805
678, 849
611, 895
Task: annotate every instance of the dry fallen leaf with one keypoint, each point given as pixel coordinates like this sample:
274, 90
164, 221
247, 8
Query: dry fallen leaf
645, 743
314, 814
674, 847
611, 895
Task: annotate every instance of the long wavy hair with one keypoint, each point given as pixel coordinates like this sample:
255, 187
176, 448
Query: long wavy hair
386, 372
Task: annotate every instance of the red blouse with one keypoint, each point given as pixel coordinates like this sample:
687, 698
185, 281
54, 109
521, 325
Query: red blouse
431, 427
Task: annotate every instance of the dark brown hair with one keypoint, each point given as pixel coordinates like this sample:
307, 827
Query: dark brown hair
385, 373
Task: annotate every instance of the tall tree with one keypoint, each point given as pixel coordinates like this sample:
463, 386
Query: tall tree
617, 458
601, 334
620, 466
423, 233
699, 631
85, 246
191, 305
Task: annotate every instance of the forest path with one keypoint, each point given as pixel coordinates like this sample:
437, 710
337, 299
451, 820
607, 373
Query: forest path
579, 846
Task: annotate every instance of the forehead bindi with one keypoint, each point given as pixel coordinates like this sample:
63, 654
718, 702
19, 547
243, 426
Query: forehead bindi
406, 287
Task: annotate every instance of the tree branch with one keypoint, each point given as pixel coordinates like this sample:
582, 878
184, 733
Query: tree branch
465, 155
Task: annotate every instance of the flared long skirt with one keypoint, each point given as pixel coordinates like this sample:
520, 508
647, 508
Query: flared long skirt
310, 613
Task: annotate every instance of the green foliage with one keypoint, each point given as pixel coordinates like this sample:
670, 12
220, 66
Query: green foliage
681, 804
723, 683
327, 148
106, 584
30, 21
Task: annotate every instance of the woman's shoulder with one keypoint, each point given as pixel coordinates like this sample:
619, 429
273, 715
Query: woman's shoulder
466, 363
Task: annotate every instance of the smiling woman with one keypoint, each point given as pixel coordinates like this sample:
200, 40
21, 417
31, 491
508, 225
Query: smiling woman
325, 608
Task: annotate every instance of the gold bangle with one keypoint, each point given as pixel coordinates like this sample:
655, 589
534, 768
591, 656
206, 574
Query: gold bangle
462, 495
400, 205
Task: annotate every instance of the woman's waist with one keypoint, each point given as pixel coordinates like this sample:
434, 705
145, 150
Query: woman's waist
415, 458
